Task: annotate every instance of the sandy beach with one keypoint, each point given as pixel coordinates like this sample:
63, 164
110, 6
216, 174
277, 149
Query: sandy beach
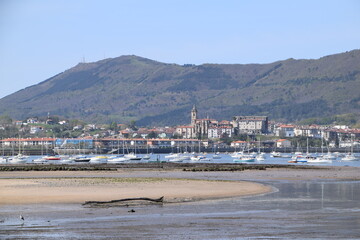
295, 203
175, 185
78, 190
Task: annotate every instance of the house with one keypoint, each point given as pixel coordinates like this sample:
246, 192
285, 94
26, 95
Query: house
313, 131
32, 120
285, 131
77, 127
185, 131
219, 132
283, 143
35, 129
239, 144
18, 123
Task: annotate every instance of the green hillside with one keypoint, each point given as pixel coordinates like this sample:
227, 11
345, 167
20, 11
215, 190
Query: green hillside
154, 93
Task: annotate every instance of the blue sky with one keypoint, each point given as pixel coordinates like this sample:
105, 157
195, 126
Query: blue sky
40, 38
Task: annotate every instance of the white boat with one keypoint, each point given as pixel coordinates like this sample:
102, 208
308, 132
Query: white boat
349, 157
319, 160
275, 154
237, 154
329, 156
117, 160
198, 158
180, 158
147, 156
19, 159
173, 155
3, 160
242, 154
260, 157
67, 160
39, 160
98, 159
216, 156
132, 157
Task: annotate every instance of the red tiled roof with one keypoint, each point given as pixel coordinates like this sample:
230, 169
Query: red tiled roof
287, 126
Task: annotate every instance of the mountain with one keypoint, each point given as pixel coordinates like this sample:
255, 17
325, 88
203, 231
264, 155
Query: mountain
154, 93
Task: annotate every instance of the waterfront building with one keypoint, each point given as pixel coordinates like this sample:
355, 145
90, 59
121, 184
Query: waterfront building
285, 131
185, 131
312, 131
251, 124
239, 144
13, 142
220, 131
198, 127
283, 143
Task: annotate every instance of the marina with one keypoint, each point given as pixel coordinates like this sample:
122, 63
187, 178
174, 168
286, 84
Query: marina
220, 158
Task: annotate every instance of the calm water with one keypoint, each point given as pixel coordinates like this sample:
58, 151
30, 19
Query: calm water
295, 210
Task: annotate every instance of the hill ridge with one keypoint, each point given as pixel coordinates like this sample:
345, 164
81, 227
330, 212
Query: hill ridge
130, 87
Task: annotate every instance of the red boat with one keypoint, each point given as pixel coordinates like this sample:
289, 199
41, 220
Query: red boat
52, 158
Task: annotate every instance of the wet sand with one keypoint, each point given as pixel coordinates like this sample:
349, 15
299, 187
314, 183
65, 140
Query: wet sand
79, 190
174, 184
309, 203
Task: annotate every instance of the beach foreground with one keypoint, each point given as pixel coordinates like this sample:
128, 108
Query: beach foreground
79, 190
311, 203
27, 187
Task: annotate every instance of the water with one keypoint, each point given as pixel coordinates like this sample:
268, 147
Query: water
226, 158
296, 210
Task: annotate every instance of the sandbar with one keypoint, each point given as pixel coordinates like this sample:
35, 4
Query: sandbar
79, 190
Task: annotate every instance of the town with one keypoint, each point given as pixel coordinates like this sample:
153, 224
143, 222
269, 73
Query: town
55, 135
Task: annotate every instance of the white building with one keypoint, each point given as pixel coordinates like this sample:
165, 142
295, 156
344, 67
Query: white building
251, 124
35, 129
218, 132
283, 143
285, 131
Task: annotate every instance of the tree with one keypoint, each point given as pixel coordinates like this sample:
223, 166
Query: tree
132, 125
225, 139
152, 134
176, 136
5, 120
113, 126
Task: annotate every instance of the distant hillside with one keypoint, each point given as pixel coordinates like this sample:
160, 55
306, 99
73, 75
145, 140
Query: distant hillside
154, 93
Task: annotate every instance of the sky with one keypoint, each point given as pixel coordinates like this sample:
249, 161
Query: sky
41, 38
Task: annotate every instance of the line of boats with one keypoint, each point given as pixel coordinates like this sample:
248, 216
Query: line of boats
237, 157
22, 159
299, 157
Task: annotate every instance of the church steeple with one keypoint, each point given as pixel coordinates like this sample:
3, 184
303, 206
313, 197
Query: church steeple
193, 115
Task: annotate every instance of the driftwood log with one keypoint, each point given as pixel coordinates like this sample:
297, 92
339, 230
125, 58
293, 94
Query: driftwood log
159, 200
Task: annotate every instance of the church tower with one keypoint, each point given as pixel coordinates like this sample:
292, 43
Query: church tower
193, 115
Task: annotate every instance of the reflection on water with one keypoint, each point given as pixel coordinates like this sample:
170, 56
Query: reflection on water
298, 210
